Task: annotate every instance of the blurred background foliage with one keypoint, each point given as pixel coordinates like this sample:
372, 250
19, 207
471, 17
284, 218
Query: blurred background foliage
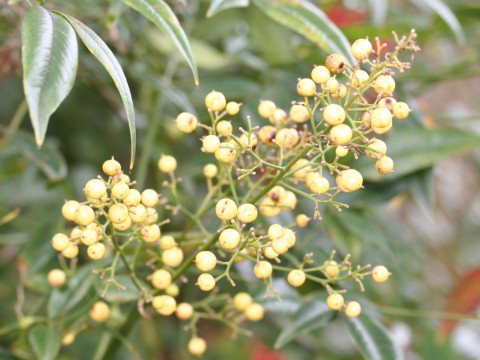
421, 221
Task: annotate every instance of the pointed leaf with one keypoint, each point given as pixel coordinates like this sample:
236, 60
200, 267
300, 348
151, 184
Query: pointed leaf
45, 342
105, 56
219, 5
49, 59
158, 12
372, 339
309, 21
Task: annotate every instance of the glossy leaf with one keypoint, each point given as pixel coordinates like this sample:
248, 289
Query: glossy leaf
219, 5
309, 21
45, 341
49, 59
158, 12
372, 339
105, 56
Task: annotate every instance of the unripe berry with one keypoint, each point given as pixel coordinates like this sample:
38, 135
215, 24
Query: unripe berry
224, 127
84, 215
56, 277
289, 200
340, 93
150, 233
76, 233
381, 117
99, 312
149, 197
95, 189
97, 229
320, 74
68, 338
161, 279
381, 130
137, 213
366, 119
241, 301
335, 301
350, 180
269, 253
184, 311
254, 312
69, 208
96, 251
197, 346
118, 213
296, 278
306, 87
232, 108
387, 102
206, 282
167, 164
215, 100
384, 84
287, 137
164, 304
269, 208
205, 261
376, 148
111, 167
384, 165
401, 110
276, 193
88, 237
275, 231
120, 191
152, 216
331, 268
380, 274
280, 246
302, 220
210, 171
317, 183
341, 134
336, 63
331, 85
358, 77
263, 269
225, 154
71, 251
246, 142
167, 242
123, 178
226, 209
172, 257
60, 241
353, 309
266, 108
279, 117
361, 49
211, 143
247, 213
133, 198
289, 235
266, 134
172, 290
229, 239
341, 151
299, 113
186, 122
123, 225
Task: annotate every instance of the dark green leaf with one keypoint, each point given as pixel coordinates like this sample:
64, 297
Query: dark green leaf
219, 5
372, 339
49, 59
105, 56
158, 12
421, 186
309, 21
45, 341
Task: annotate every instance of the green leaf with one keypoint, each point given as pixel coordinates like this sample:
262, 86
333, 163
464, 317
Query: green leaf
219, 5
158, 12
372, 339
311, 316
416, 149
309, 21
130, 293
45, 341
105, 56
49, 59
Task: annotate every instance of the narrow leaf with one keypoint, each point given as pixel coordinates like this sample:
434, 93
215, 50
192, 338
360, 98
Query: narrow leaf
49, 59
158, 12
45, 342
309, 21
219, 5
372, 339
105, 56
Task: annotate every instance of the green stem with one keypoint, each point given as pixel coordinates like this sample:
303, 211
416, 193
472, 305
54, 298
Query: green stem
394, 311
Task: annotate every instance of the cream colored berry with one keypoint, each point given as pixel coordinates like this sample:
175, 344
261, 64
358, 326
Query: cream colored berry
247, 213
381, 117
287, 137
269, 208
376, 149
380, 274
341, 134
211, 143
120, 191
184, 311
241, 301
299, 113
276, 231
137, 213
353, 309
111, 167
60, 241
167, 163
172, 257
341, 151
133, 198
335, 301
358, 78
266, 134
123, 178
302, 220
331, 268
149, 197
164, 304
331, 85
334, 114
317, 183
263, 269
186, 122
276, 193
366, 119
306, 87
226, 209
96, 251
320, 74
118, 213
69, 208
161, 279
384, 165
167, 242
232, 108
150, 233
84, 215
197, 346
266, 108
172, 290
224, 127
340, 93
387, 102
225, 153
384, 84
279, 117
401, 110
361, 49
205, 261
152, 216
350, 180
98, 230
206, 282
280, 246
76, 233
71, 251
269, 253
95, 189
381, 130
125, 225
56, 277
215, 101
288, 201
301, 168
99, 312
336, 63
229, 239
254, 312
248, 142
88, 237
210, 171
68, 338
296, 278
289, 235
